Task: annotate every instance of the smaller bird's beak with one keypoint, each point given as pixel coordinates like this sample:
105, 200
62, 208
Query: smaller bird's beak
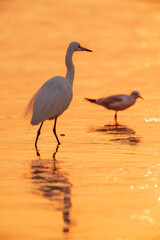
85, 49
141, 97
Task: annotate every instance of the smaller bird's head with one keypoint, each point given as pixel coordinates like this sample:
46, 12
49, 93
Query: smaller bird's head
136, 94
75, 46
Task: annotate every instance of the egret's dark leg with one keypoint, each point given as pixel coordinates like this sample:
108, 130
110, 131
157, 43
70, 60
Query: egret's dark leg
38, 133
54, 131
116, 118
54, 155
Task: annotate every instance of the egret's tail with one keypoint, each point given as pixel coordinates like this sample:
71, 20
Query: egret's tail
91, 100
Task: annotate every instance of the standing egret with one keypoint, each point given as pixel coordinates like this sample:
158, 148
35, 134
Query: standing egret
117, 102
55, 95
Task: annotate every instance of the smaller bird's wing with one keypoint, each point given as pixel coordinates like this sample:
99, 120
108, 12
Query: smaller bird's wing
110, 101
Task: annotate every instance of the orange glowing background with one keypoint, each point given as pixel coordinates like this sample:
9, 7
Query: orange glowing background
104, 182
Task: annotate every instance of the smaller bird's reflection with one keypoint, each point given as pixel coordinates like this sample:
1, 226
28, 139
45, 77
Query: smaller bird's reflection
122, 133
54, 185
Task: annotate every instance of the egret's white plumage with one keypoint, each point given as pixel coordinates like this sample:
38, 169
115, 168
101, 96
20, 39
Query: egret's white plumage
117, 102
51, 100
55, 95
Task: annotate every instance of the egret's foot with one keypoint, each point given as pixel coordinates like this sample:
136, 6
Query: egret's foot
37, 152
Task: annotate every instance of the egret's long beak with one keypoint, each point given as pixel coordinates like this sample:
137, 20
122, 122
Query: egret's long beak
85, 49
141, 97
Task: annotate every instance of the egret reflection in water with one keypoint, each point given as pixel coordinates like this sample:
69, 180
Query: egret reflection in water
53, 184
121, 133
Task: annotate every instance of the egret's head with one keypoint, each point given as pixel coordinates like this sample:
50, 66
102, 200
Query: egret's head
136, 94
75, 46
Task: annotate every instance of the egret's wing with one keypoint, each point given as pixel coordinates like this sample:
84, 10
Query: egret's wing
29, 108
51, 100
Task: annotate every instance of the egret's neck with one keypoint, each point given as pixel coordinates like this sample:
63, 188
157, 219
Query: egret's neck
70, 66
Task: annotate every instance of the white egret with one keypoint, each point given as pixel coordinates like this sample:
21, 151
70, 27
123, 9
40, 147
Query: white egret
55, 95
117, 102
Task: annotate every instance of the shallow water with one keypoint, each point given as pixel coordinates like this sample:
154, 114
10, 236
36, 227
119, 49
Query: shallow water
103, 181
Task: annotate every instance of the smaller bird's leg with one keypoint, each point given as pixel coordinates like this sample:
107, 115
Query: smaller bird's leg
116, 118
38, 133
54, 131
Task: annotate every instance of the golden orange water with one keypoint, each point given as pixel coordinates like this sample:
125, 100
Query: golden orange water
102, 182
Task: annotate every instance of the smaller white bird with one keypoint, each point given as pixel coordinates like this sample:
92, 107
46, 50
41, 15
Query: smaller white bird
117, 102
